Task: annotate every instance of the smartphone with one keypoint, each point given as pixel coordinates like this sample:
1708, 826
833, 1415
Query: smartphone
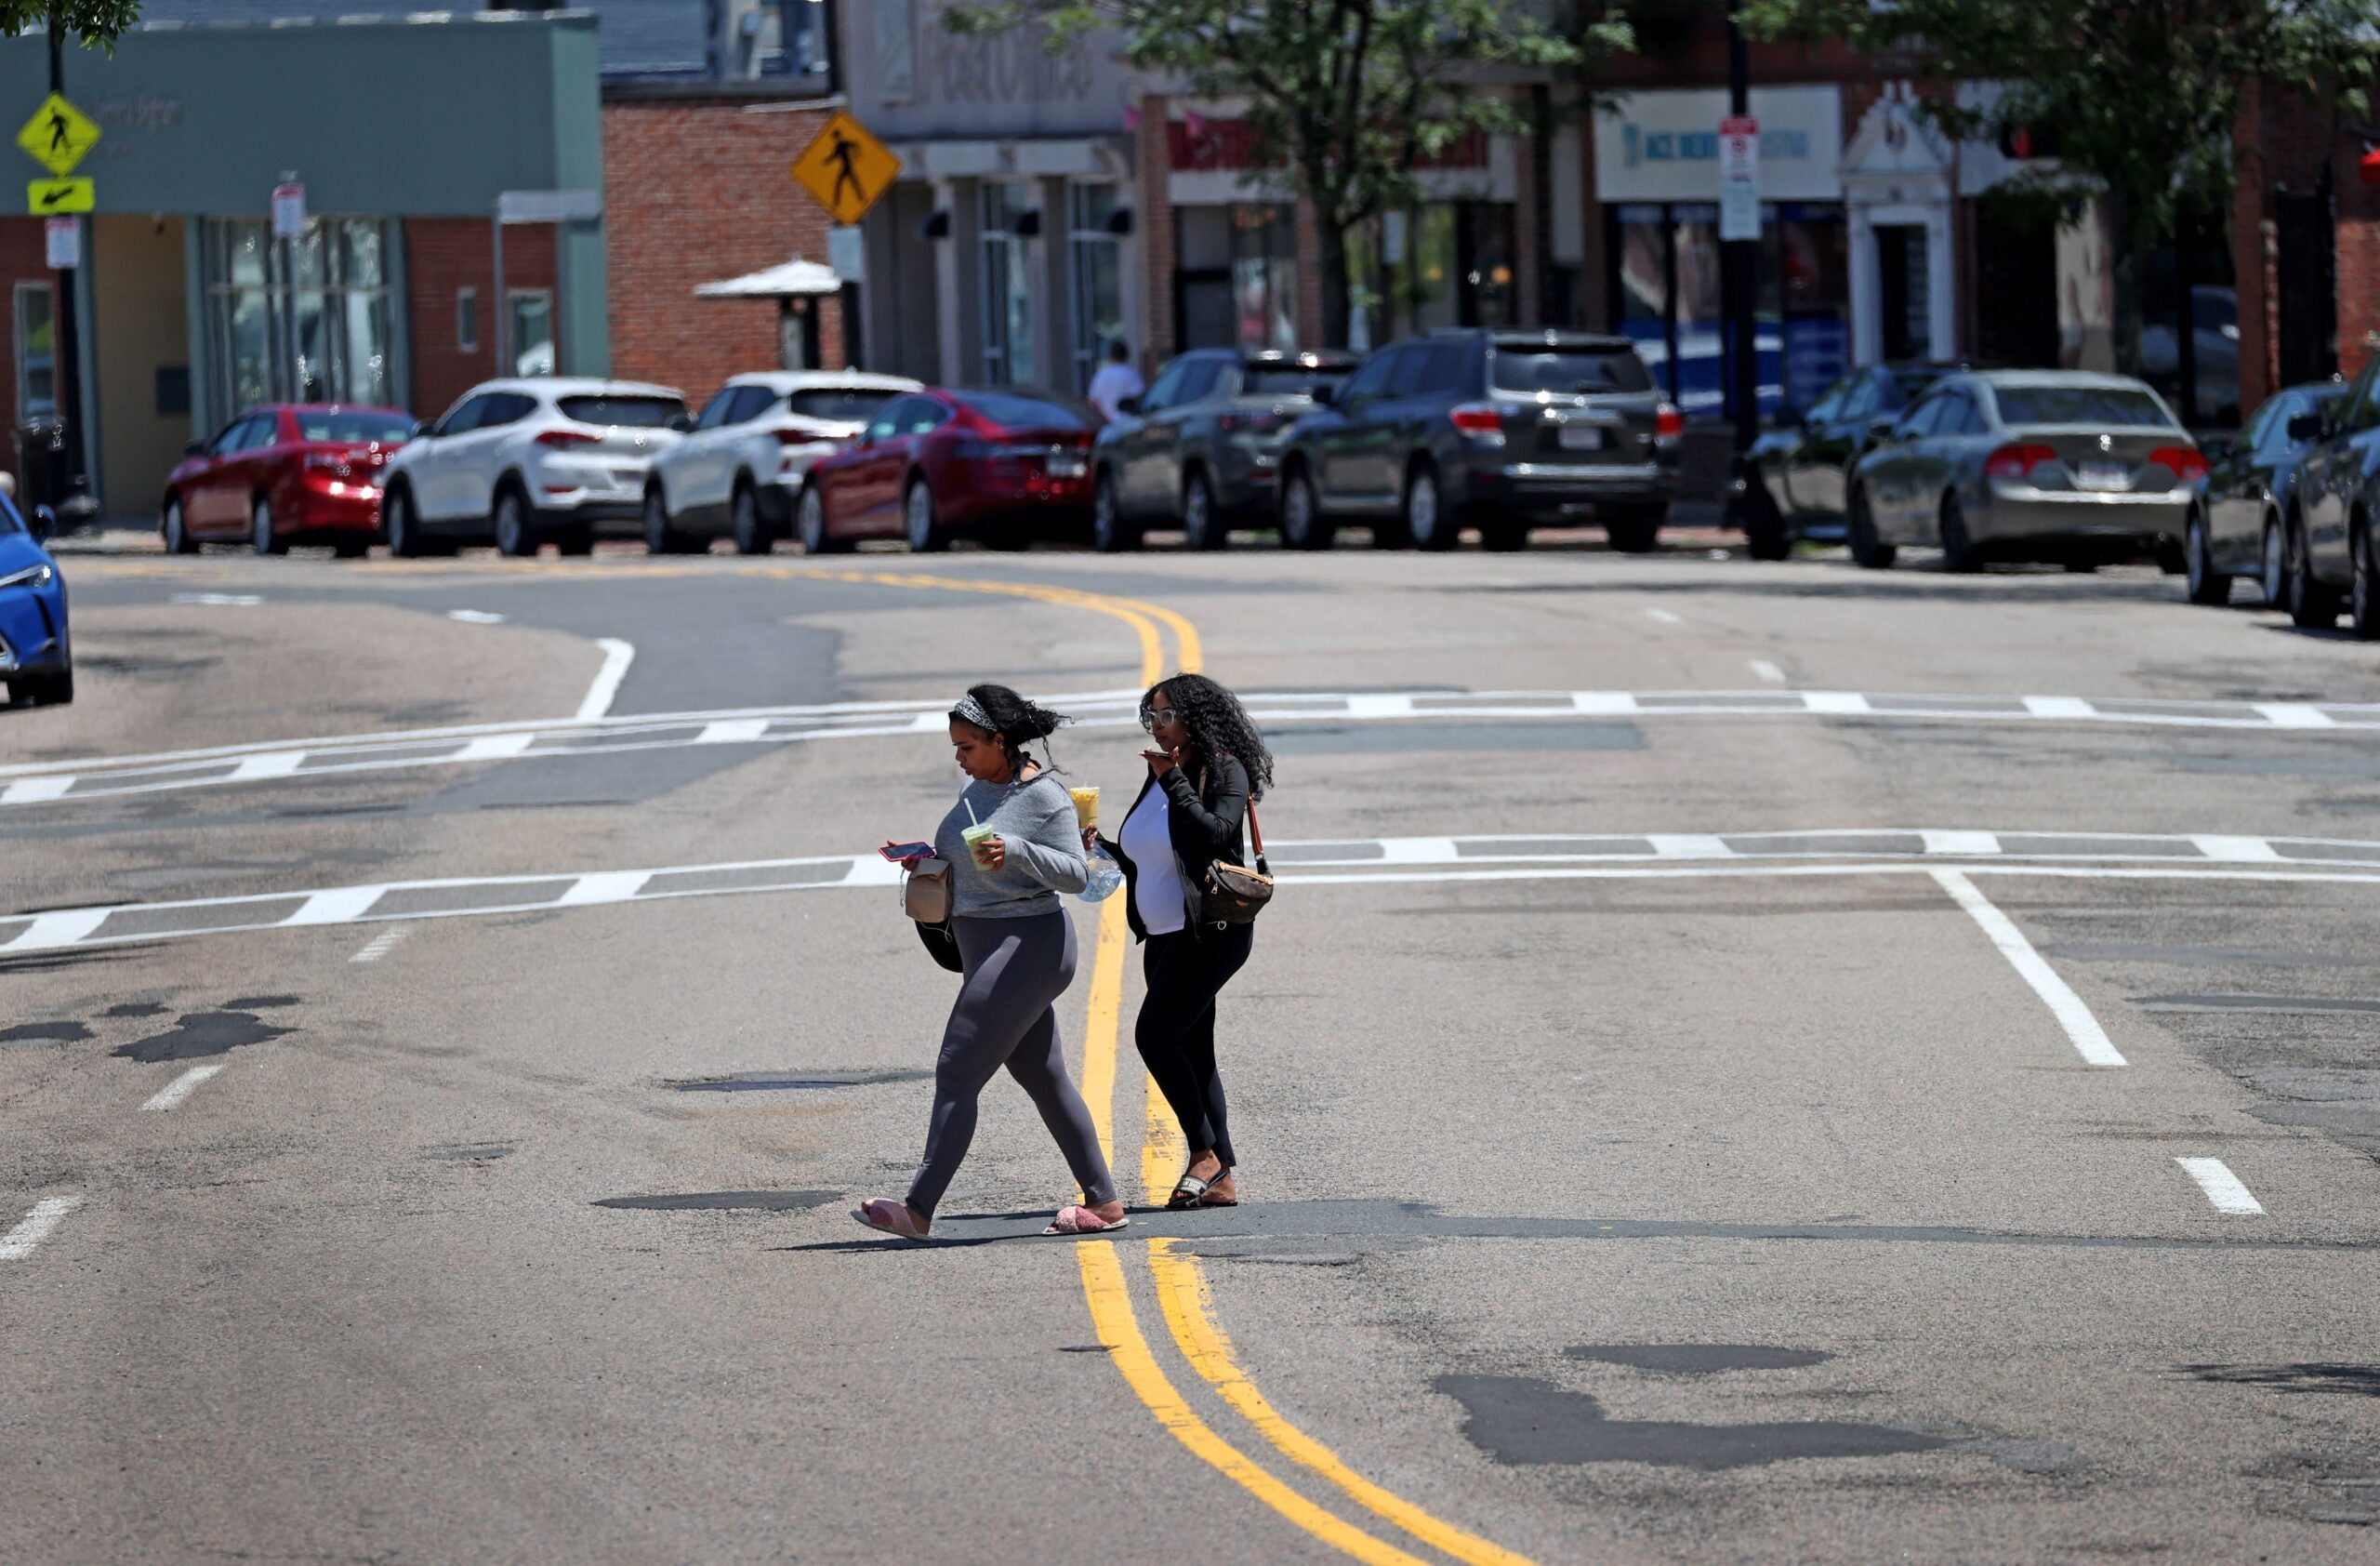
897, 852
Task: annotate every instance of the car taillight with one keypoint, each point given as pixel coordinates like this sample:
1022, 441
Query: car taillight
1669, 423
2017, 461
560, 439
801, 437
1480, 420
2187, 461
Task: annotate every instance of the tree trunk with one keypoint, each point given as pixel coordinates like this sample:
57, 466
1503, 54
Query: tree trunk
2127, 266
1336, 315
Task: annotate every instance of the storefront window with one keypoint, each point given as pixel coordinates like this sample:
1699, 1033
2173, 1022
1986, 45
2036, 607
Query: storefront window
1457, 269
308, 321
36, 353
1008, 288
1096, 261
531, 336
1264, 276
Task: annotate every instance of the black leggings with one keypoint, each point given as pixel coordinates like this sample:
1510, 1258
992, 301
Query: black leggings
1176, 1031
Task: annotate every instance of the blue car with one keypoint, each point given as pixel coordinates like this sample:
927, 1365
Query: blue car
37, 662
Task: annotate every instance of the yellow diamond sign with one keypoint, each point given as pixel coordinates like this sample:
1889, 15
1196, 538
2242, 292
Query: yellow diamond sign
846, 168
58, 135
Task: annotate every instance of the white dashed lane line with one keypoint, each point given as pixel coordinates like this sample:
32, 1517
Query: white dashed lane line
35, 783
379, 944
2222, 1188
474, 617
1768, 672
36, 1226
181, 1087
1663, 616
220, 600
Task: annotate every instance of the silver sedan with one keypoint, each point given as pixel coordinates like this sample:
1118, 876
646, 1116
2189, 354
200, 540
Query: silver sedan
2030, 465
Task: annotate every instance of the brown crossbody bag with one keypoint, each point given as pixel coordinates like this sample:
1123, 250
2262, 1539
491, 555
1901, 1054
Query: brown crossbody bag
1233, 894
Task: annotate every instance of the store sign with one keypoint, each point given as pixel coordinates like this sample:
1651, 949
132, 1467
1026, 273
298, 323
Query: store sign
1665, 146
1739, 178
63, 243
288, 211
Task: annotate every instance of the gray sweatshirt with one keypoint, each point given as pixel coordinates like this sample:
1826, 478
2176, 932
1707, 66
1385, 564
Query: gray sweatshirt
1036, 820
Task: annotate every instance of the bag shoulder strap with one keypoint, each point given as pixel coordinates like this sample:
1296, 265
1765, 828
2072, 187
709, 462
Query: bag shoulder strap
1255, 831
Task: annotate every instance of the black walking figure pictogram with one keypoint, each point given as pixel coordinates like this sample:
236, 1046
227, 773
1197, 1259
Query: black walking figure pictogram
844, 156
57, 127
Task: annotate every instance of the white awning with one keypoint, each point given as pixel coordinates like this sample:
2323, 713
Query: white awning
795, 277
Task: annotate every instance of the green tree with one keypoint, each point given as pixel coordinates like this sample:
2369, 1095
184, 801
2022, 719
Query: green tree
2138, 95
1346, 98
96, 22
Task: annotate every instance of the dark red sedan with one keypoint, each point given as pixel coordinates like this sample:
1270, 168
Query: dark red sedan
999, 464
286, 474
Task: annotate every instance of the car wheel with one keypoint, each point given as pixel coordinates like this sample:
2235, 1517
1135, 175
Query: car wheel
1636, 530
2363, 597
1109, 532
261, 533
1426, 521
176, 531
1302, 524
2273, 573
1959, 553
661, 536
2207, 585
516, 536
751, 530
1870, 552
926, 535
1202, 525
401, 523
2312, 605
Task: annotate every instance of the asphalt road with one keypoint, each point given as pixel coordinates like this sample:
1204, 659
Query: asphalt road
1748, 1063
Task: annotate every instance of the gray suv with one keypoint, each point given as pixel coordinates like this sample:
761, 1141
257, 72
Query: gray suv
1493, 429
1199, 450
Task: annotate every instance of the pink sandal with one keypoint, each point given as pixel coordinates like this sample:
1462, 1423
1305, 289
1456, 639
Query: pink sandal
890, 1217
1082, 1220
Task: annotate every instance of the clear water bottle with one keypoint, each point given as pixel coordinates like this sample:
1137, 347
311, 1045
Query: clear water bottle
1106, 876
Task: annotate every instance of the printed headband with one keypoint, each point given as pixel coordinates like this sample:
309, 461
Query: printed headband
969, 710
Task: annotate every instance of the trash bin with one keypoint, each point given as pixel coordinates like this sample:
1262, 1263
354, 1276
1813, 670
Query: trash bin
41, 463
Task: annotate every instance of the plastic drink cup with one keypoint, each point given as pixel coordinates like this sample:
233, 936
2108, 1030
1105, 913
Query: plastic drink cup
1085, 805
974, 838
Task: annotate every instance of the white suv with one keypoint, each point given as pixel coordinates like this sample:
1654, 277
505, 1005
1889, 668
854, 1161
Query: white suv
738, 470
516, 462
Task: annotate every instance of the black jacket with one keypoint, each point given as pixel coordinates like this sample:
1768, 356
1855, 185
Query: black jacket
1205, 822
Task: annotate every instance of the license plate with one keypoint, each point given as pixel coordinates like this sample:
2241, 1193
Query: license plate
2103, 475
1067, 466
1581, 437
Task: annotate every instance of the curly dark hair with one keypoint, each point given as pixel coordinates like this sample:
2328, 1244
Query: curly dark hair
1016, 719
1219, 725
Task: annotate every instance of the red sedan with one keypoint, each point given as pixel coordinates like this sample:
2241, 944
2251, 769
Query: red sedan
996, 464
307, 474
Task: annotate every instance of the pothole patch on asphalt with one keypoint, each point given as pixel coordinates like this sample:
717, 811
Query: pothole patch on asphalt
471, 1152
59, 1032
697, 1201
784, 1081
1698, 1358
1520, 1421
198, 1035
136, 1008
2362, 1381
260, 1002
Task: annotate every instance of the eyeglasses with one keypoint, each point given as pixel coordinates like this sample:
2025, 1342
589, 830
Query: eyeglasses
1150, 719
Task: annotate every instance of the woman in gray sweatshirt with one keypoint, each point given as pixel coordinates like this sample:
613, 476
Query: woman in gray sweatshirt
1018, 947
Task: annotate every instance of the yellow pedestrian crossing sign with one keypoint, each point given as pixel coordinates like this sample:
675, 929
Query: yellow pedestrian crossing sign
57, 135
846, 168
49, 198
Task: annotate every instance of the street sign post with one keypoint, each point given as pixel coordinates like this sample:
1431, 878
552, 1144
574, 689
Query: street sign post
1738, 177
846, 169
58, 135
47, 197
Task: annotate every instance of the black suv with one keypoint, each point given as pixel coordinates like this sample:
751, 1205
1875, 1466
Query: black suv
1199, 450
1494, 429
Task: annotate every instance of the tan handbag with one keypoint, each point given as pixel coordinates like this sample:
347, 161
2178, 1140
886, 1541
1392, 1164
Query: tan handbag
1232, 894
925, 890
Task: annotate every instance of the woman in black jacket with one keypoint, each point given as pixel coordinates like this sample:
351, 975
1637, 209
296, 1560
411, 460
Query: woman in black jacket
1205, 764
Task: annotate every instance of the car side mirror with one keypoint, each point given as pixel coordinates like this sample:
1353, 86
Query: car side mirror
681, 423
1790, 418
421, 430
1326, 395
41, 525
2307, 427
1129, 404
193, 448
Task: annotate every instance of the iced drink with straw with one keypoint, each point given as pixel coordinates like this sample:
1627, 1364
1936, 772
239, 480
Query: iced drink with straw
1086, 806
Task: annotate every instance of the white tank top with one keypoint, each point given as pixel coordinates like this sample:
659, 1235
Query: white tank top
1148, 841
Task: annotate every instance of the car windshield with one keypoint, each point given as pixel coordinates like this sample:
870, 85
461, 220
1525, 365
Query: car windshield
347, 427
1292, 380
1570, 370
624, 412
837, 404
1026, 413
2079, 405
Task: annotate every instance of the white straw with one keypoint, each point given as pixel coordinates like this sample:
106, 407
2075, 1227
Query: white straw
972, 819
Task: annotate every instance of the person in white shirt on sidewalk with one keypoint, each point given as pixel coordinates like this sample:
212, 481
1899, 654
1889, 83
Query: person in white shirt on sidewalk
1117, 380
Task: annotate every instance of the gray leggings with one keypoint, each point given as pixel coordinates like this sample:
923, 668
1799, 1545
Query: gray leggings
1015, 968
